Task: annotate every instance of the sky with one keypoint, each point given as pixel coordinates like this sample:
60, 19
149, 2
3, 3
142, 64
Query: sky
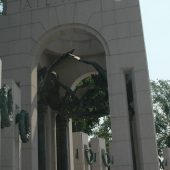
156, 26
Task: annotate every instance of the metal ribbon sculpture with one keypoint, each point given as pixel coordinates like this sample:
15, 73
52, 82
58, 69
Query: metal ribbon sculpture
6, 106
70, 104
22, 119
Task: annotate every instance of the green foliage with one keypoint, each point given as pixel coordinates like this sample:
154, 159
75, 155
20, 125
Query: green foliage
104, 129
85, 125
161, 108
93, 97
6, 109
1, 7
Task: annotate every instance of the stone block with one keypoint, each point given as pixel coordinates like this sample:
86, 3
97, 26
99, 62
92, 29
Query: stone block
166, 155
135, 28
84, 10
121, 151
11, 63
79, 140
143, 102
8, 34
13, 7
116, 83
37, 31
146, 126
25, 31
114, 47
133, 3
151, 167
4, 21
97, 145
118, 105
21, 75
40, 16
123, 62
20, 46
141, 80
0, 114
123, 167
128, 14
53, 17
0, 72
116, 31
149, 151
108, 18
120, 129
4, 48
14, 20
107, 5
26, 18
11, 143
132, 44
64, 13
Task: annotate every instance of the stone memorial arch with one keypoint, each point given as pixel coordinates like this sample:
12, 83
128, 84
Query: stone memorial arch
33, 33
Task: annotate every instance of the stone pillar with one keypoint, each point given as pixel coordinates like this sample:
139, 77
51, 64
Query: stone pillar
50, 140
0, 113
71, 160
97, 145
10, 140
62, 142
42, 112
79, 140
166, 155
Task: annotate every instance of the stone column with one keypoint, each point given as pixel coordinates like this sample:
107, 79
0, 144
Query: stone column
50, 138
97, 145
10, 140
62, 142
0, 113
79, 140
166, 155
71, 160
42, 111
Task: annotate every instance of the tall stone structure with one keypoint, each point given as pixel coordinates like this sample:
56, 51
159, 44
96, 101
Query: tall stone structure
33, 32
0, 113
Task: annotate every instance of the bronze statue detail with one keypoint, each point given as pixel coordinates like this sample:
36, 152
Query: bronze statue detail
69, 104
22, 119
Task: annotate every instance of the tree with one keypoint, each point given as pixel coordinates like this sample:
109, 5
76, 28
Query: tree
161, 108
3, 7
104, 129
93, 97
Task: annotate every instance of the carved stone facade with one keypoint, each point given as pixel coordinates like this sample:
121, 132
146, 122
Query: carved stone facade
105, 31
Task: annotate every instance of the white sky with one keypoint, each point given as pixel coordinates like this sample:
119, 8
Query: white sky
156, 25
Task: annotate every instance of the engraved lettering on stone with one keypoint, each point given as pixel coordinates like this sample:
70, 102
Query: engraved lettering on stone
45, 3
27, 4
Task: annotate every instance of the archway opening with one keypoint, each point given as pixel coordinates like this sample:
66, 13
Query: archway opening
67, 69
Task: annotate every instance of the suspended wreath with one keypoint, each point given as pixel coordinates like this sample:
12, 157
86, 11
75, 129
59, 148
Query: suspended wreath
22, 119
90, 156
106, 159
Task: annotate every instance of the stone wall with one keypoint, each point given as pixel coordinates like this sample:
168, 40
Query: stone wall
30, 25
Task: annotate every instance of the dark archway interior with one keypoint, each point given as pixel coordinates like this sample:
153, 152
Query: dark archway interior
88, 48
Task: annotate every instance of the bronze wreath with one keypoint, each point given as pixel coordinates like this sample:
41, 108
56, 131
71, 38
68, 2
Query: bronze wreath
106, 158
90, 156
22, 119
